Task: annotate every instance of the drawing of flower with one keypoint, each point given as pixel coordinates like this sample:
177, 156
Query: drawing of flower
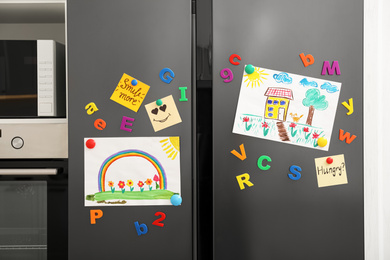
306, 130
156, 179
246, 120
315, 136
140, 185
149, 182
130, 184
121, 185
292, 126
265, 128
111, 185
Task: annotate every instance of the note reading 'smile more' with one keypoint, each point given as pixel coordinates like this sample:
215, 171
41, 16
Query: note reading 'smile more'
130, 92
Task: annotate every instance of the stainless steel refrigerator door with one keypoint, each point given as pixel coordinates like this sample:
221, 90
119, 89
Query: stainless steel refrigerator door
278, 218
139, 38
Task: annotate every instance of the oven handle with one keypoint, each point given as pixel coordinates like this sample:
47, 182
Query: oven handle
43, 171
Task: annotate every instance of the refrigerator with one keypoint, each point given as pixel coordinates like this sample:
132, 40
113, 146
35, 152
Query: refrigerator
270, 201
130, 97
231, 187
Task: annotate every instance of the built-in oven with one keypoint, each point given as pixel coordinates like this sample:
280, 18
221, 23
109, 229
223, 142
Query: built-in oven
33, 151
33, 209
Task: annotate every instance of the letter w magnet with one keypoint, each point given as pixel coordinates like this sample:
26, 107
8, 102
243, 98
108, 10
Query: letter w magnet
241, 156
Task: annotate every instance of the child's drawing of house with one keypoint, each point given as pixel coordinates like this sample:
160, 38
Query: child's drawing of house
277, 103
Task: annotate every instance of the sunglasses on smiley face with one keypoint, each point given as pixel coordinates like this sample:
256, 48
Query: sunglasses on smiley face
162, 108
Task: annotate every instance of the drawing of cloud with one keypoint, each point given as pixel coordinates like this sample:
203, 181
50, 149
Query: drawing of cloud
329, 87
283, 78
307, 83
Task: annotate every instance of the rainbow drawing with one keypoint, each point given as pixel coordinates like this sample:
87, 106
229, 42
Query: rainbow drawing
129, 153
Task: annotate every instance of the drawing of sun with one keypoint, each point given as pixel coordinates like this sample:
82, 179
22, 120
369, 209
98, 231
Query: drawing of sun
255, 78
171, 146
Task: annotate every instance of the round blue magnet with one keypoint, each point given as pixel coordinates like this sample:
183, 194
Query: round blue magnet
134, 82
176, 199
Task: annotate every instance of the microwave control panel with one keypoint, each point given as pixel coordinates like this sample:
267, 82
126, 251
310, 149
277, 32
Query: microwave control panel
46, 78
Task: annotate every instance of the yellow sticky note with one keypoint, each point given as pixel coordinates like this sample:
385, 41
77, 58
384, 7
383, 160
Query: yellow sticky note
130, 92
330, 174
163, 115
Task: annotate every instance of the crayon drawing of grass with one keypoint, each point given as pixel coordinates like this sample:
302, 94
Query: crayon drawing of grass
305, 134
254, 125
257, 126
134, 195
298, 133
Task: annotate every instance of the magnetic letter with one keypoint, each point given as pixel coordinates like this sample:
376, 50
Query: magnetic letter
295, 170
260, 162
142, 229
349, 106
125, 123
95, 213
183, 94
157, 221
169, 77
241, 156
100, 124
244, 178
227, 75
307, 60
91, 108
326, 67
231, 59
346, 136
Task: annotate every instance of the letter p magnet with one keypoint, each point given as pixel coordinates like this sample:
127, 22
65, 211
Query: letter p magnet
95, 214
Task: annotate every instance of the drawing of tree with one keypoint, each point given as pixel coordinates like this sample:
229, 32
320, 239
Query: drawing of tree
314, 101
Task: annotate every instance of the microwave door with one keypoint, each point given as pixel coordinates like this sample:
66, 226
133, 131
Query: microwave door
18, 79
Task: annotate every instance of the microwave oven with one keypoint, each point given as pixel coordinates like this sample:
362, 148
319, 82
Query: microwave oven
33, 98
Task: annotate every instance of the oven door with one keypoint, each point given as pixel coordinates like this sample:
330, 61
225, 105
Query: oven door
34, 213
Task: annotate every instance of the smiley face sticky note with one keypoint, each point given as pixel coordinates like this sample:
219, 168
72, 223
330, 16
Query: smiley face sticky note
331, 172
163, 115
130, 92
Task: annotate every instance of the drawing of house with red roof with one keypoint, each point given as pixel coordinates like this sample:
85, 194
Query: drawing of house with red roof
277, 103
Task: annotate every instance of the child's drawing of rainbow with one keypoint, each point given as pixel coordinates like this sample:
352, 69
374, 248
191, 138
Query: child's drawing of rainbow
129, 153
